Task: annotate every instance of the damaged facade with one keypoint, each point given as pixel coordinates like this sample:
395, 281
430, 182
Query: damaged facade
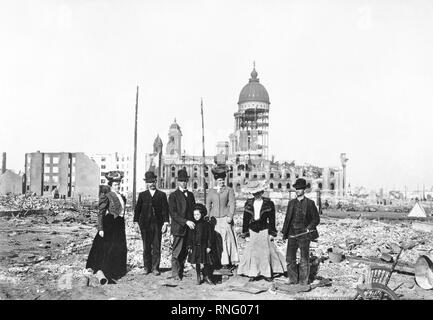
115, 162
11, 183
246, 153
72, 174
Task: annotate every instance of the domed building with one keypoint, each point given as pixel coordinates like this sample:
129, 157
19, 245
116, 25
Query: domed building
251, 121
253, 91
246, 154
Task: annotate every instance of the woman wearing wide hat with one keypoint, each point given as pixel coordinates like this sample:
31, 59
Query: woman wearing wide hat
220, 204
261, 256
109, 251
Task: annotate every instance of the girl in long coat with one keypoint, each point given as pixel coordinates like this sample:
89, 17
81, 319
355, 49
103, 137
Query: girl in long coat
220, 204
199, 244
261, 256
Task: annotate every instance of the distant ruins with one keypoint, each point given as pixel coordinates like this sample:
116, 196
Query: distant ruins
245, 154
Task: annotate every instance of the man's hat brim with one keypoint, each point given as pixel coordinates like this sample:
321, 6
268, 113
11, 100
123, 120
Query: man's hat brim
301, 187
182, 175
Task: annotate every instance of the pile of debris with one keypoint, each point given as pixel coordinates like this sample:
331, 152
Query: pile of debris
363, 205
370, 238
27, 204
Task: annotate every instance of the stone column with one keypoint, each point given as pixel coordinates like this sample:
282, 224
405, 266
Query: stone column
343, 160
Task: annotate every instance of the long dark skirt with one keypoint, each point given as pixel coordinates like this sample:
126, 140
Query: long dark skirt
110, 252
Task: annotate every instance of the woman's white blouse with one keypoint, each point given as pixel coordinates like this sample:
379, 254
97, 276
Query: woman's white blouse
257, 208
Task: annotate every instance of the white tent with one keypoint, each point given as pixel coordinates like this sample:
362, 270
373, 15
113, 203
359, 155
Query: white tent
417, 211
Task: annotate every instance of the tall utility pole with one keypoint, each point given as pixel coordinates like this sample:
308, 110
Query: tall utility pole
134, 179
204, 159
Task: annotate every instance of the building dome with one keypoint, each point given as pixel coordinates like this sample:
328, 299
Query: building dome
158, 141
254, 90
174, 125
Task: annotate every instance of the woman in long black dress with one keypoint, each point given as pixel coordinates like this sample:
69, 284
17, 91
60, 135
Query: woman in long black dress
109, 251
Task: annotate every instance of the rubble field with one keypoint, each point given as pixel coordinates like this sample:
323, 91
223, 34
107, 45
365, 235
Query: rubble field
43, 256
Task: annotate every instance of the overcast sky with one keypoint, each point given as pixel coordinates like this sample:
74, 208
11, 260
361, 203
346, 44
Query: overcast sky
342, 76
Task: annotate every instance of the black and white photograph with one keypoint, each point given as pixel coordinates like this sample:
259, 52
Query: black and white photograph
194, 151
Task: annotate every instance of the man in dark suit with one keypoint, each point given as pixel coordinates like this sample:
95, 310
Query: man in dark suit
180, 203
299, 228
151, 217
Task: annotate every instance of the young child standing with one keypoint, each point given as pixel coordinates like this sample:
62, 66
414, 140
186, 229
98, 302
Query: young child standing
199, 244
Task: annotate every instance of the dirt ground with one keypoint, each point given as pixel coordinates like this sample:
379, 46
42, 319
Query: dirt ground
44, 258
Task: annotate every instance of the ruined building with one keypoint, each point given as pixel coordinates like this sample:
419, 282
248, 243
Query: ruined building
115, 162
250, 138
10, 182
72, 174
245, 154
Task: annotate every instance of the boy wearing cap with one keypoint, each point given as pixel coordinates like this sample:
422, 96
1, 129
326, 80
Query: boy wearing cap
299, 228
151, 217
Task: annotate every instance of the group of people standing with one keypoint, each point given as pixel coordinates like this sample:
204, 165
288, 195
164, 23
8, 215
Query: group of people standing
203, 234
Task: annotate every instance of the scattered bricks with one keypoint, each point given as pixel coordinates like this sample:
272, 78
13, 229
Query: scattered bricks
93, 281
384, 250
395, 248
81, 280
18, 269
386, 257
423, 227
335, 257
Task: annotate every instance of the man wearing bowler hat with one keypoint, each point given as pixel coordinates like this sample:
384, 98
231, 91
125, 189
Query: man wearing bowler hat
181, 203
299, 228
151, 217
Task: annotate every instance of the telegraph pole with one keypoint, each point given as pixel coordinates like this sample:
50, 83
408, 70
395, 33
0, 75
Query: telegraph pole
204, 159
134, 179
